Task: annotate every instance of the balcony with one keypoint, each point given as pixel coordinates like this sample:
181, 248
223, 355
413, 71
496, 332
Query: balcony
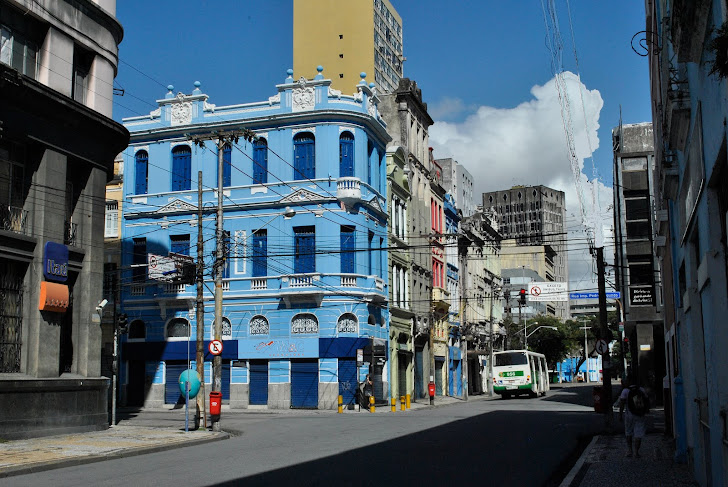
348, 191
348, 281
69, 233
302, 288
174, 288
13, 219
440, 300
138, 290
258, 284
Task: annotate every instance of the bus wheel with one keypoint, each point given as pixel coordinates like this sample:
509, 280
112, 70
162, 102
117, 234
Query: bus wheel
532, 394
506, 395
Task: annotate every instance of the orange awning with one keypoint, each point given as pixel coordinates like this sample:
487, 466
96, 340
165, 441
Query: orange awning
53, 297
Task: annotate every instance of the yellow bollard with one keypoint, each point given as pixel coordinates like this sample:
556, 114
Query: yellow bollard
408, 400
341, 404
401, 403
371, 404
394, 405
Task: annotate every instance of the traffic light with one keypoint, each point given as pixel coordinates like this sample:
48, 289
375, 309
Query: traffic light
522, 296
122, 323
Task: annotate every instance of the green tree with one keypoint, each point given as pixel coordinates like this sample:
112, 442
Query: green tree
551, 343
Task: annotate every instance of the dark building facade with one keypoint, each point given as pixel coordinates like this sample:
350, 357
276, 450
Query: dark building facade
57, 146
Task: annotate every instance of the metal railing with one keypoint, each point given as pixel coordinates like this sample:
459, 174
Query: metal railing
13, 219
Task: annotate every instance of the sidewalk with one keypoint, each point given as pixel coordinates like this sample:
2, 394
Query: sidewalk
604, 464
134, 436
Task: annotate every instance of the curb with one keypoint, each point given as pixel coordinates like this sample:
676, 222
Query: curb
132, 452
576, 469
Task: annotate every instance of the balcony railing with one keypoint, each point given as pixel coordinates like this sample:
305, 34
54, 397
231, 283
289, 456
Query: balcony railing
13, 219
348, 190
259, 284
174, 288
301, 281
137, 290
348, 281
69, 235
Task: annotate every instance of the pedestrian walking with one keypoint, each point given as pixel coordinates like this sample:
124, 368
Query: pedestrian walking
633, 408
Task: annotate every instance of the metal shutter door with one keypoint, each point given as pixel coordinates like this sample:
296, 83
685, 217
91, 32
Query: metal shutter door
304, 383
347, 380
172, 394
402, 362
259, 382
419, 369
377, 384
225, 383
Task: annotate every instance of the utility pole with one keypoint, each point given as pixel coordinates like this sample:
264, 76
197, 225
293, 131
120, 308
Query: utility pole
219, 262
606, 362
492, 341
200, 356
463, 252
222, 139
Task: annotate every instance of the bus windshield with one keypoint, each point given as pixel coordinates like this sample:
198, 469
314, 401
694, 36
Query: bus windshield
511, 358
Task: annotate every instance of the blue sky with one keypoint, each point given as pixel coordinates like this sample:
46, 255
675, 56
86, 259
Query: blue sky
483, 67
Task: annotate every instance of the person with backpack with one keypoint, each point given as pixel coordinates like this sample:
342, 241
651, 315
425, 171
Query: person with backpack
636, 402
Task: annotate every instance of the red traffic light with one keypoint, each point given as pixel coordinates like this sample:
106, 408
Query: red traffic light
522, 292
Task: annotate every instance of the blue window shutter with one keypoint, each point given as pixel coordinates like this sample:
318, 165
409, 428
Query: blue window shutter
370, 262
348, 245
260, 162
179, 244
370, 150
226, 253
181, 168
139, 256
304, 160
305, 258
346, 155
260, 253
227, 158
141, 172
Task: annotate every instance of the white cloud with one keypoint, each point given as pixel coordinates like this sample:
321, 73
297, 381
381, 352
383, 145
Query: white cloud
526, 144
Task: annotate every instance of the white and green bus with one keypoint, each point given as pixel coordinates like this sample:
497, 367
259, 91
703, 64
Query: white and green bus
520, 372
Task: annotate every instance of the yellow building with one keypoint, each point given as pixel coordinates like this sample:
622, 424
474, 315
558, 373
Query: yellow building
348, 37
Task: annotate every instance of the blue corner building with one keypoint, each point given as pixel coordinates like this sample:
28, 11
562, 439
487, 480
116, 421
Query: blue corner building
305, 237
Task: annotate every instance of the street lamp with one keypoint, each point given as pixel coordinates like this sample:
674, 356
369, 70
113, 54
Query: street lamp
534, 331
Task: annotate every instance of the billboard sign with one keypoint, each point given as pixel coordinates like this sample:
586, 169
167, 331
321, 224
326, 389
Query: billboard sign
548, 291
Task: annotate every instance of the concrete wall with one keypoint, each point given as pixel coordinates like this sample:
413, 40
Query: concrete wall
279, 396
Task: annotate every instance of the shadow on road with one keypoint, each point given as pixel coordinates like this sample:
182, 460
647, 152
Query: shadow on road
496, 448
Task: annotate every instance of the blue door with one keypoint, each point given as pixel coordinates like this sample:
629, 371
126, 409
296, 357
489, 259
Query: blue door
347, 381
172, 394
304, 384
225, 385
258, 382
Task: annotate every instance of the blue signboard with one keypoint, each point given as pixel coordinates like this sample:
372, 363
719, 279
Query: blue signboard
55, 262
614, 295
267, 348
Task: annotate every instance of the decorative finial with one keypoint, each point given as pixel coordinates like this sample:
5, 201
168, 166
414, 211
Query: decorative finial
170, 88
197, 84
319, 68
362, 75
289, 72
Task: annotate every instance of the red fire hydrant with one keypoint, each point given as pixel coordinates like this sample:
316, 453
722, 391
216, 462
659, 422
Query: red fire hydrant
431, 390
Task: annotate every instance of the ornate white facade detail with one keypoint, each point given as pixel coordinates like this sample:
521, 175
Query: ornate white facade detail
303, 99
301, 195
334, 93
208, 107
274, 99
177, 205
181, 112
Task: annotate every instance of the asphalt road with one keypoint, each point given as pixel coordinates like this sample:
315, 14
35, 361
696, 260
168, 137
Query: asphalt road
519, 442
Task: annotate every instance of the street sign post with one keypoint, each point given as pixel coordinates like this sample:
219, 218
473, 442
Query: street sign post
602, 346
614, 295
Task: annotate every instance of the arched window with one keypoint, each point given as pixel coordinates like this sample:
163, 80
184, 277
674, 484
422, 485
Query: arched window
347, 323
260, 161
227, 165
304, 156
178, 328
346, 155
227, 329
141, 172
304, 323
259, 325
137, 330
181, 168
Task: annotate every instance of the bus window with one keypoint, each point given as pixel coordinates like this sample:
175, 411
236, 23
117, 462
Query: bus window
511, 358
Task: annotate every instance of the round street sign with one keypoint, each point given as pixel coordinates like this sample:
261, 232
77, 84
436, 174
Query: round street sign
602, 346
215, 347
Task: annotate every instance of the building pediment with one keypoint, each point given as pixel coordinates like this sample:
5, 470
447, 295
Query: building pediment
177, 205
301, 195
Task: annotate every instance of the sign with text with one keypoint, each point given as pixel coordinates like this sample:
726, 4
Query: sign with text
616, 295
253, 348
641, 296
548, 291
55, 262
